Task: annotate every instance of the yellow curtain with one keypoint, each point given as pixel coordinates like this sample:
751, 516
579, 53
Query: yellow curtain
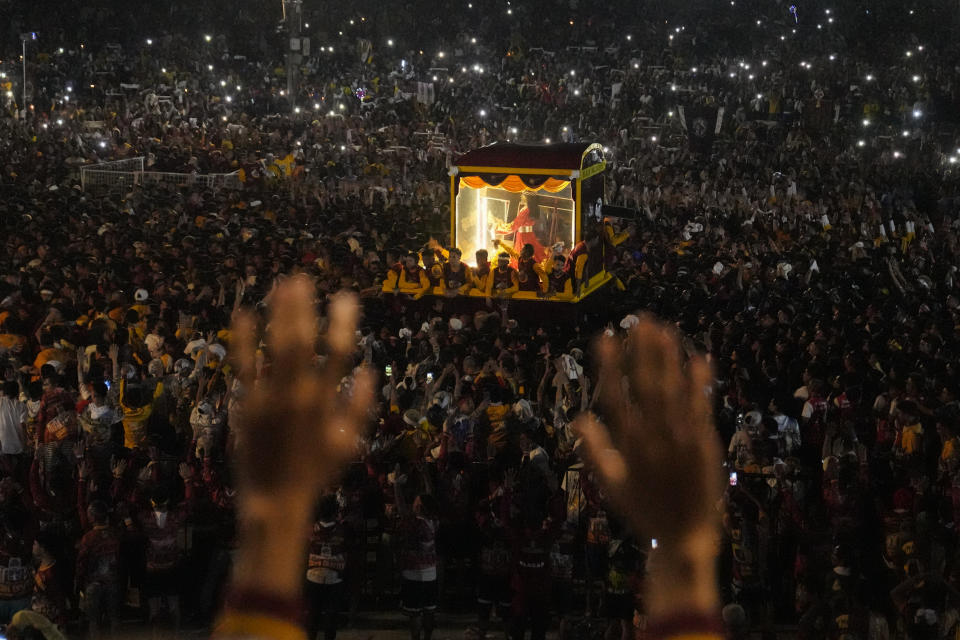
514, 184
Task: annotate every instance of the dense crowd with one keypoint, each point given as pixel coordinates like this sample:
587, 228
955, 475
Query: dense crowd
811, 251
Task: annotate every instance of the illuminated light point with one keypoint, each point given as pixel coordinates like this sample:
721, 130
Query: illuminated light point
750, 77
833, 57
390, 43
483, 113
103, 145
897, 154
653, 138
576, 92
163, 70
316, 106
861, 143
953, 160
60, 121
509, 12
629, 37
513, 130
909, 53
473, 41
306, 25
296, 109
332, 113
869, 77
440, 55
759, 96
149, 41
434, 78
572, 72
673, 87
209, 67
763, 64
229, 98
547, 140
342, 106
692, 69
783, 37
636, 66
905, 134
916, 78
450, 79
669, 114
208, 38
920, 48
917, 113
223, 83
238, 87
866, 122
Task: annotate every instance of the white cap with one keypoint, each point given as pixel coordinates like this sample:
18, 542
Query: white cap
141, 295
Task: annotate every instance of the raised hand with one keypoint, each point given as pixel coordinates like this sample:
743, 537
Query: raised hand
295, 431
118, 467
658, 458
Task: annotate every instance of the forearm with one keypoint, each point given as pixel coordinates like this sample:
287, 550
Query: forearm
271, 535
682, 577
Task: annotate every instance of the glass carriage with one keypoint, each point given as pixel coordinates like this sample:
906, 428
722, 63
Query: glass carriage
540, 194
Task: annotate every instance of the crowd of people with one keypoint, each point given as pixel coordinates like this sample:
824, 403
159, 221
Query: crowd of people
811, 251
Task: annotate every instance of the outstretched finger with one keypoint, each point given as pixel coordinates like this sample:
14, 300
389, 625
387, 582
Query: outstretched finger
699, 422
655, 376
602, 453
342, 315
243, 347
293, 326
610, 379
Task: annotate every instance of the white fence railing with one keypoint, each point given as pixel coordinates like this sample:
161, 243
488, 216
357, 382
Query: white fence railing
127, 173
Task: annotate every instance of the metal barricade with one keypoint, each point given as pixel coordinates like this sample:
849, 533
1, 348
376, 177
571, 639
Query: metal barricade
126, 173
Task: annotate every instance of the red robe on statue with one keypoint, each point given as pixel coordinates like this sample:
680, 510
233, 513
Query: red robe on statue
522, 227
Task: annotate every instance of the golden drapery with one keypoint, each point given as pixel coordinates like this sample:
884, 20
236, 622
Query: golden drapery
514, 184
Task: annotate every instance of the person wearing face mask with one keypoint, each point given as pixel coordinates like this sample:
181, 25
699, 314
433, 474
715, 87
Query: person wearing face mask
162, 525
